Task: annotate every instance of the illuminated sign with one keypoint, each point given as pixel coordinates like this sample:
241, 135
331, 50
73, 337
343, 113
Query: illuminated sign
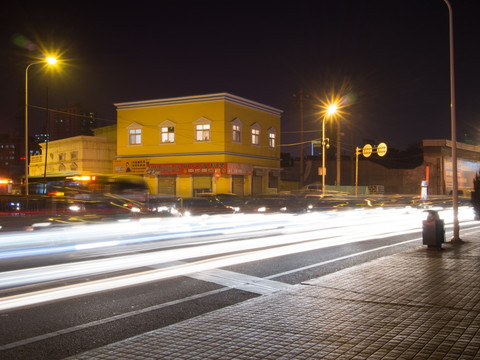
137, 166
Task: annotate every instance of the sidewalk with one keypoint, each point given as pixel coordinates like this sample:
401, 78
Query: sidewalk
422, 304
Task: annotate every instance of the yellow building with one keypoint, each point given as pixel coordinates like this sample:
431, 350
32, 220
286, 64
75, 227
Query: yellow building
209, 143
77, 154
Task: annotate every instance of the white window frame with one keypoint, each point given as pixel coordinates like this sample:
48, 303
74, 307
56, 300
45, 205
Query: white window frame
203, 130
236, 131
272, 138
167, 132
255, 134
135, 134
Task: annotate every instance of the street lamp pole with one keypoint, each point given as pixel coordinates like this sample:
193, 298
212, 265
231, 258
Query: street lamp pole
331, 109
456, 227
323, 154
49, 60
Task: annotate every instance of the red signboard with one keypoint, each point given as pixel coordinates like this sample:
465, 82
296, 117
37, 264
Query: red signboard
199, 169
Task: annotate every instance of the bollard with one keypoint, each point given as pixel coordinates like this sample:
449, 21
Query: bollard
433, 230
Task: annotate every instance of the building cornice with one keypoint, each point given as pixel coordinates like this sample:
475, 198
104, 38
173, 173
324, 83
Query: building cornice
199, 99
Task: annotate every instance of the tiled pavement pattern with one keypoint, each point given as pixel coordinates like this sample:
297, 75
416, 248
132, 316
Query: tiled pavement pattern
419, 304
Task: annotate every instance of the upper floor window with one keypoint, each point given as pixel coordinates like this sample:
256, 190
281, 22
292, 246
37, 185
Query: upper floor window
236, 131
272, 138
74, 155
202, 129
61, 157
255, 134
134, 134
202, 132
167, 132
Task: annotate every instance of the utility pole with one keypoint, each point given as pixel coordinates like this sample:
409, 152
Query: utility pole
46, 148
301, 139
339, 153
300, 96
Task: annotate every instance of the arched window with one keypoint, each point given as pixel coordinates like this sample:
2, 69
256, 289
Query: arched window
202, 130
255, 129
236, 130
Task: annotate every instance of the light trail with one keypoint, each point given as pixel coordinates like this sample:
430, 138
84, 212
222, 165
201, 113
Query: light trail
361, 226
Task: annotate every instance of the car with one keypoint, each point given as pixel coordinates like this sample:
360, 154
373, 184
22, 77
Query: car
312, 188
203, 206
265, 204
229, 199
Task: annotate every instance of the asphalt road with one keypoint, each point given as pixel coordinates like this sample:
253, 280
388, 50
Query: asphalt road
71, 296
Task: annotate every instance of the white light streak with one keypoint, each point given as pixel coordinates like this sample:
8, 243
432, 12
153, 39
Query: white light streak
273, 236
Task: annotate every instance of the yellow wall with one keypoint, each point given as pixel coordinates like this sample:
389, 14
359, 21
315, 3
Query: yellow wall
183, 116
93, 154
219, 110
248, 117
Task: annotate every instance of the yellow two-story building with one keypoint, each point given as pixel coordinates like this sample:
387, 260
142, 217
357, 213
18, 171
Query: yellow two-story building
209, 143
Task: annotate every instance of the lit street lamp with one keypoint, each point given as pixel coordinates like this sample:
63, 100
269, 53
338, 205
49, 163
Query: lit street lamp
48, 60
331, 110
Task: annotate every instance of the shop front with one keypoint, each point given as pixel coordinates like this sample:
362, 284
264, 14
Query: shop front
190, 179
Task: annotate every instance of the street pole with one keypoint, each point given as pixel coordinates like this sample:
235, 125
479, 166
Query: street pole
49, 60
301, 140
357, 151
46, 149
339, 153
323, 156
26, 125
456, 226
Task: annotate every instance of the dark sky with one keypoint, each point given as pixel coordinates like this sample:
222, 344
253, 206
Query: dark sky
389, 58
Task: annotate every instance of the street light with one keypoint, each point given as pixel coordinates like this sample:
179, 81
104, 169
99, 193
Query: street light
456, 226
49, 60
331, 110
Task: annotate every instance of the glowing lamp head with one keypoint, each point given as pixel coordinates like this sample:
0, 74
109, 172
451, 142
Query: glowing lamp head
51, 60
332, 109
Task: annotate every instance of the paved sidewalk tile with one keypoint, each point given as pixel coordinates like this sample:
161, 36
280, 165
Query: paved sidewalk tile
422, 304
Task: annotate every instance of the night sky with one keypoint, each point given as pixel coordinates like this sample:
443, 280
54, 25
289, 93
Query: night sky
388, 59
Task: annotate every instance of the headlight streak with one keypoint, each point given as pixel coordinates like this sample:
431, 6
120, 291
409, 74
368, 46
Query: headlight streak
370, 225
155, 275
312, 231
191, 229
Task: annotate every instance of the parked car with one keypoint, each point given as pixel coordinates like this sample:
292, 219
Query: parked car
312, 188
228, 199
203, 206
265, 204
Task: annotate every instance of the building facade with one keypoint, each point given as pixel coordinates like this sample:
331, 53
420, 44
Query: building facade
208, 143
92, 154
12, 163
438, 157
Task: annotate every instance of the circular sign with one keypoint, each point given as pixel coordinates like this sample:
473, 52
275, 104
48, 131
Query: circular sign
367, 150
381, 149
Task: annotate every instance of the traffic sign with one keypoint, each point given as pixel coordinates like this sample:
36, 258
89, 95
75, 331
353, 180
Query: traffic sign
367, 150
381, 149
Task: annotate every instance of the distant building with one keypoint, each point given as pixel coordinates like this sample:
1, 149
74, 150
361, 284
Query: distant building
70, 121
433, 163
12, 163
209, 143
92, 154
437, 155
